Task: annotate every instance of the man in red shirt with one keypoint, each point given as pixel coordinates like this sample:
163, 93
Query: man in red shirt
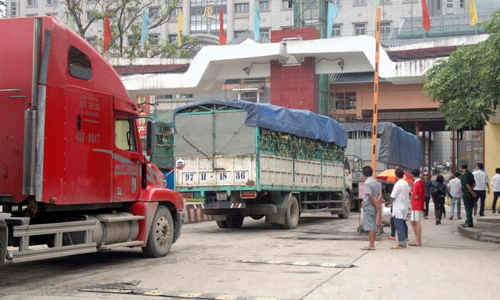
417, 207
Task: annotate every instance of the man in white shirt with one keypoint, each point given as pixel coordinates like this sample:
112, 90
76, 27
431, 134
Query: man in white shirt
495, 184
481, 187
400, 198
455, 193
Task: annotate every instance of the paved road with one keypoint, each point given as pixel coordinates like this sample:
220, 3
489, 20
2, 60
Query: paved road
207, 260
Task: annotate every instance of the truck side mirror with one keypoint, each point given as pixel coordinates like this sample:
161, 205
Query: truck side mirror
151, 139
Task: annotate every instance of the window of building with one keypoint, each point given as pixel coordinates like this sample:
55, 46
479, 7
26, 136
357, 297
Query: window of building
337, 3
51, 2
131, 12
449, 3
385, 2
51, 14
205, 17
359, 2
32, 3
154, 12
238, 33
264, 5
91, 1
287, 4
131, 40
438, 4
174, 12
125, 135
344, 101
241, 7
172, 38
264, 34
92, 41
385, 28
31, 15
336, 30
154, 38
461, 3
359, 28
89, 15
79, 64
13, 9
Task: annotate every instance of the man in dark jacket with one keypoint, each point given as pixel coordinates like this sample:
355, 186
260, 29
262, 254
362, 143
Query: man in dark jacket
427, 189
468, 194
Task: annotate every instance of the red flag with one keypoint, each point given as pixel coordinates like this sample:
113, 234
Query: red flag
107, 33
222, 35
426, 22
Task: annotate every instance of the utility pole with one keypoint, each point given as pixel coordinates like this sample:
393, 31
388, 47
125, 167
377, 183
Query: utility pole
375, 93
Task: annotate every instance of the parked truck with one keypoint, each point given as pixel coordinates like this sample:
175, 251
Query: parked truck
261, 160
395, 148
73, 177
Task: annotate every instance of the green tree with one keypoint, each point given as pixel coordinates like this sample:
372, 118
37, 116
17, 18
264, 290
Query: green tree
467, 84
126, 23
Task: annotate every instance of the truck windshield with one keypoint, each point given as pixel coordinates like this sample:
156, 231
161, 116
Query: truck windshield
124, 135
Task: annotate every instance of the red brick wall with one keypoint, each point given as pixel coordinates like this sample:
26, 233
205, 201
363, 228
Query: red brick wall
306, 34
295, 86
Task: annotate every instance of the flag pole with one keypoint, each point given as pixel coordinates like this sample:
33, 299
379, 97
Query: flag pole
375, 93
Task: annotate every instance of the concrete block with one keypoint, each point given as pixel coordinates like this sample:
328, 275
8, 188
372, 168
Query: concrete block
492, 219
471, 233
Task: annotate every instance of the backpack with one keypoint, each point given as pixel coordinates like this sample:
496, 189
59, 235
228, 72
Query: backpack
439, 191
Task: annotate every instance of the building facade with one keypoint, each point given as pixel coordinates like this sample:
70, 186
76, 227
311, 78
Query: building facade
201, 17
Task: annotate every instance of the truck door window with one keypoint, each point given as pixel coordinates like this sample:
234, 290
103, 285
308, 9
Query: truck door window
124, 135
79, 64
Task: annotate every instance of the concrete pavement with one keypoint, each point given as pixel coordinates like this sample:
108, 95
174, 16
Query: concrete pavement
209, 260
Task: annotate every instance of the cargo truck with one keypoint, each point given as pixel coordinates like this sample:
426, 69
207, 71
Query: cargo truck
261, 160
73, 176
395, 148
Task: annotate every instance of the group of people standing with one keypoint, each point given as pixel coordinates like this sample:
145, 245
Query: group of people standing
466, 186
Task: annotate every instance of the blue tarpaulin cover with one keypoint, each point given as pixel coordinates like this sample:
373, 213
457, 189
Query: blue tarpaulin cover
397, 146
299, 122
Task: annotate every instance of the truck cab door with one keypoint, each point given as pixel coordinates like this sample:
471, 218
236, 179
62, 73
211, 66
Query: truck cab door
127, 161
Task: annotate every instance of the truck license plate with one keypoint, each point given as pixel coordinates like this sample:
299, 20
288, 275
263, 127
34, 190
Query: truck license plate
221, 196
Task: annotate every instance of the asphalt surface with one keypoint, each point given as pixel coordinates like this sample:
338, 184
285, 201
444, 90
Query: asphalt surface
321, 259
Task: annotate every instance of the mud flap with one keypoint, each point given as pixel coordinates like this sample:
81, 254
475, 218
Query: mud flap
4, 237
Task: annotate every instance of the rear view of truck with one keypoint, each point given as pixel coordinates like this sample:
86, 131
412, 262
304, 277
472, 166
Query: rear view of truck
261, 160
396, 148
73, 177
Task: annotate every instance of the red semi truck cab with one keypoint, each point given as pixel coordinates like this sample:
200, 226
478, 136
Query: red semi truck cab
73, 177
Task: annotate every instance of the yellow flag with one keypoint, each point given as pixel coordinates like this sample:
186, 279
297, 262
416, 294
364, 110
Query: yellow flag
473, 13
180, 22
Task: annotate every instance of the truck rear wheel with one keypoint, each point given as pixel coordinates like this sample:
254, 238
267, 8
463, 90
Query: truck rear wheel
222, 224
292, 214
346, 207
234, 221
161, 234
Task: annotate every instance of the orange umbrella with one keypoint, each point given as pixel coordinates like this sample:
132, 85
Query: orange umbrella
390, 175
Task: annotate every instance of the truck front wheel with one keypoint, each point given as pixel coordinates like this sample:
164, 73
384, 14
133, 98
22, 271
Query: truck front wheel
346, 207
292, 213
161, 234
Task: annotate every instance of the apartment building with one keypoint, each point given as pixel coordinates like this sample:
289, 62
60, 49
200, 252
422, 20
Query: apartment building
201, 17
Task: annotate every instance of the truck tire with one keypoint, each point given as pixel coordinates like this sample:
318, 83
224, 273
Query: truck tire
161, 234
292, 214
346, 207
4, 236
234, 221
222, 224
257, 217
